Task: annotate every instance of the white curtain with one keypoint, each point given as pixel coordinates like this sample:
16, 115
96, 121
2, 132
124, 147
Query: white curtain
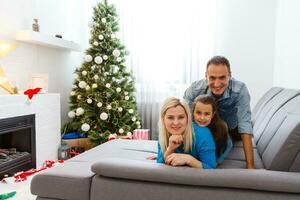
169, 43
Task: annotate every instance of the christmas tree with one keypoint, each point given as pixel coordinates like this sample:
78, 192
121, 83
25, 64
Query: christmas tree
102, 101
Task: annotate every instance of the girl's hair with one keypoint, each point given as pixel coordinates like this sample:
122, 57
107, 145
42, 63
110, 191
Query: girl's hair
163, 133
217, 126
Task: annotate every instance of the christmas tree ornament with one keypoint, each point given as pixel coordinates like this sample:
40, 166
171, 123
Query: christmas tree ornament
129, 134
79, 111
130, 111
100, 37
93, 67
85, 127
107, 85
76, 76
139, 126
98, 60
79, 97
104, 116
71, 114
120, 109
133, 119
87, 87
121, 130
94, 85
105, 57
138, 122
108, 107
84, 73
103, 20
88, 58
101, 134
91, 24
82, 84
89, 101
99, 104
126, 93
126, 97
119, 59
116, 53
96, 43
96, 77
72, 93
118, 89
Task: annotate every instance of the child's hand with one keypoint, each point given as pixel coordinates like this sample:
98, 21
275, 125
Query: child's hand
175, 141
152, 157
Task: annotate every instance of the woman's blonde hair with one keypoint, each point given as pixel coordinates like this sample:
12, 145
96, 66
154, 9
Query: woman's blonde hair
163, 133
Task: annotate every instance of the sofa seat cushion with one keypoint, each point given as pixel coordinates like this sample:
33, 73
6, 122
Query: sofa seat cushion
133, 149
70, 180
236, 159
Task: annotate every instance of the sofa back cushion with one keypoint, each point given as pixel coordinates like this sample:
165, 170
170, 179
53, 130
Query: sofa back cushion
279, 141
267, 111
270, 94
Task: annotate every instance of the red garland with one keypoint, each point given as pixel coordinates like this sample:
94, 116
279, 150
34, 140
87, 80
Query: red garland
22, 176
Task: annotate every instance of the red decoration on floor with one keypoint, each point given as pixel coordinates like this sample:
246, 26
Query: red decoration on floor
22, 176
73, 153
31, 92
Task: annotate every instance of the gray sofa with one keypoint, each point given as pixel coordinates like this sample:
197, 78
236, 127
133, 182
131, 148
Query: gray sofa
119, 169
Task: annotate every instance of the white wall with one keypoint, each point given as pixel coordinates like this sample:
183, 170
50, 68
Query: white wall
287, 64
245, 34
68, 18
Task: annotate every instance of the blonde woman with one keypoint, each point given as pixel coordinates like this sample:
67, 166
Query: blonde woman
178, 145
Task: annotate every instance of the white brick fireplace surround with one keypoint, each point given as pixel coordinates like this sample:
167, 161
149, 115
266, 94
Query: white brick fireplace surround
46, 108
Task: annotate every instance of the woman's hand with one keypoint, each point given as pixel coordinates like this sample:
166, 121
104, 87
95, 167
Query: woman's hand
175, 141
180, 159
177, 159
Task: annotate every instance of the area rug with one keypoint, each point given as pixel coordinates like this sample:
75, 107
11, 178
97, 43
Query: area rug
22, 189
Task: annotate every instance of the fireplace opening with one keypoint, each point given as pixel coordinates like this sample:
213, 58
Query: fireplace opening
17, 144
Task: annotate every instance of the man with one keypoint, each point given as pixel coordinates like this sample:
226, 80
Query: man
232, 98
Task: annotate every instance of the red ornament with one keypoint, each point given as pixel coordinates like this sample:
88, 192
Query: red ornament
31, 92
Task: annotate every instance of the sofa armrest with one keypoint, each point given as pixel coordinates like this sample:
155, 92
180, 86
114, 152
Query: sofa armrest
264, 180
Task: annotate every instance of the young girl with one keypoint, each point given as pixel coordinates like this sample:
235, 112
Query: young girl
178, 145
205, 115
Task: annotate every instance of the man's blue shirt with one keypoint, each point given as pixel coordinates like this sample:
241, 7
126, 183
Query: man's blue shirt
204, 148
233, 106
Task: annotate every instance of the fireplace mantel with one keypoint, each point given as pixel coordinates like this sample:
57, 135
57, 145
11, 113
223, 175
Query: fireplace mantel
46, 108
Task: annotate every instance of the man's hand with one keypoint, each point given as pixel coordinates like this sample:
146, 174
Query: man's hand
248, 150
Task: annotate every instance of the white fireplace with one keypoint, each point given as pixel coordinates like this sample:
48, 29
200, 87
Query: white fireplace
46, 108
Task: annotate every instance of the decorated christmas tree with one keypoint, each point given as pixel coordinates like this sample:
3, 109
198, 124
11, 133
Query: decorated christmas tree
102, 101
